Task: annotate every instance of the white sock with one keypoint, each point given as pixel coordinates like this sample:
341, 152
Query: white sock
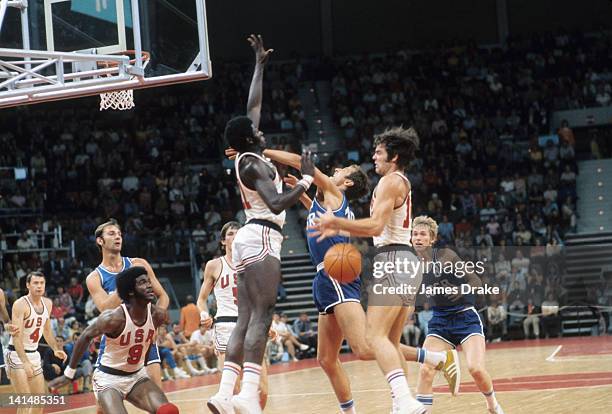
430, 357
426, 400
348, 407
399, 387
230, 374
491, 400
250, 380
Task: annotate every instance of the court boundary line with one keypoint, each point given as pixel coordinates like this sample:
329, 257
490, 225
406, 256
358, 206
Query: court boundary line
551, 357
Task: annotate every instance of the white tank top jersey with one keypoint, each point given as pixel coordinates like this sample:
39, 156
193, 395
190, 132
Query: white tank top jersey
254, 206
33, 327
398, 229
226, 290
128, 351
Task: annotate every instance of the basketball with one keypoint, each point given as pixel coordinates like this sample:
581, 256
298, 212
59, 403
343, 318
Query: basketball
343, 262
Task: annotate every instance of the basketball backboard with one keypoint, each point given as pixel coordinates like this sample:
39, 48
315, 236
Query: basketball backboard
73, 48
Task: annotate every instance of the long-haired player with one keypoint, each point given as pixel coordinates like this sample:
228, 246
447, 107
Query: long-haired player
455, 320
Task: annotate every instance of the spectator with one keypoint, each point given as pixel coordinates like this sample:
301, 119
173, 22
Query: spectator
411, 332
286, 336
190, 317
25, 243
496, 317
203, 341
551, 322
531, 320
424, 316
53, 367
167, 352
302, 327
84, 368
75, 290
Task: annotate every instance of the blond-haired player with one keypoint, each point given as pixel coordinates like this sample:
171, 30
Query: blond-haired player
389, 226
455, 320
31, 315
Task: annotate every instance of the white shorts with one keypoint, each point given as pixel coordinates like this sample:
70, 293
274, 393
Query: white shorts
222, 332
14, 362
253, 243
123, 383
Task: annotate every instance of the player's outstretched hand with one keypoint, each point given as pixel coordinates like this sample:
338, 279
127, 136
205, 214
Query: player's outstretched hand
261, 54
307, 167
290, 180
324, 226
231, 153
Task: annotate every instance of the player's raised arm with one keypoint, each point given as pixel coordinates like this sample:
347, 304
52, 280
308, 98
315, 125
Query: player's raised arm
101, 298
256, 175
163, 300
388, 190
160, 316
322, 181
212, 271
256, 89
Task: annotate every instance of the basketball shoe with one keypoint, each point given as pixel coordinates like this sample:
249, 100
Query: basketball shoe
244, 406
497, 410
451, 371
220, 405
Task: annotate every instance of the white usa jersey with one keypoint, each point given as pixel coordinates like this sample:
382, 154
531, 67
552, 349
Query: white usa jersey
226, 290
33, 326
128, 351
254, 206
398, 229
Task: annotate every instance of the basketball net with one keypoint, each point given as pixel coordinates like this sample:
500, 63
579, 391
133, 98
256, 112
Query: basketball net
123, 99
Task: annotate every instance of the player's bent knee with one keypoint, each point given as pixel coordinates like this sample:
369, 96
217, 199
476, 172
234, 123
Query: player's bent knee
326, 362
476, 370
426, 372
167, 408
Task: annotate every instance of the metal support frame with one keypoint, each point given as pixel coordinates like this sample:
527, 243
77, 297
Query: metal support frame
31, 76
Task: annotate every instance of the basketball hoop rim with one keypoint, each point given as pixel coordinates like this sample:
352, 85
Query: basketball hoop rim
146, 56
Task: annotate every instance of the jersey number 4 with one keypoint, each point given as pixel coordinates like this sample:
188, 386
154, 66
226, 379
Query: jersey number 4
35, 335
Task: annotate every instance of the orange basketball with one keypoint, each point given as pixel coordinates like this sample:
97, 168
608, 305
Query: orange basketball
343, 262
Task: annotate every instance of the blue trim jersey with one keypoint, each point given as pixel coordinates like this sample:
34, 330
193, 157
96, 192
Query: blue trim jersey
109, 284
326, 291
436, 278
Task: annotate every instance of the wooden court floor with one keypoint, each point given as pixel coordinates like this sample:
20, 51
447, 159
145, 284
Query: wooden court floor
556, 376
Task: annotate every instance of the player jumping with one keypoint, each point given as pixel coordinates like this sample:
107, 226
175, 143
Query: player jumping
256, 248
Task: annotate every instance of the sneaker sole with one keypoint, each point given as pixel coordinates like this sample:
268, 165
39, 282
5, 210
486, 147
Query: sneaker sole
212, 408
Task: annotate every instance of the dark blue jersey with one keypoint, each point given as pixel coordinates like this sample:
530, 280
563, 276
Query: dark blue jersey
316, 249
438, 275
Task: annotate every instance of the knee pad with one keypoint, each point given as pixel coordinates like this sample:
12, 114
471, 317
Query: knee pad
167, 408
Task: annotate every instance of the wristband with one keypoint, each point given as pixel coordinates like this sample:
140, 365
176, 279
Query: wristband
306, 181
69, 372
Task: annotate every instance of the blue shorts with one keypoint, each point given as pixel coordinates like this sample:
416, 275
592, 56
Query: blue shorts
152, 358
1, 357
455, 328
328, 292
